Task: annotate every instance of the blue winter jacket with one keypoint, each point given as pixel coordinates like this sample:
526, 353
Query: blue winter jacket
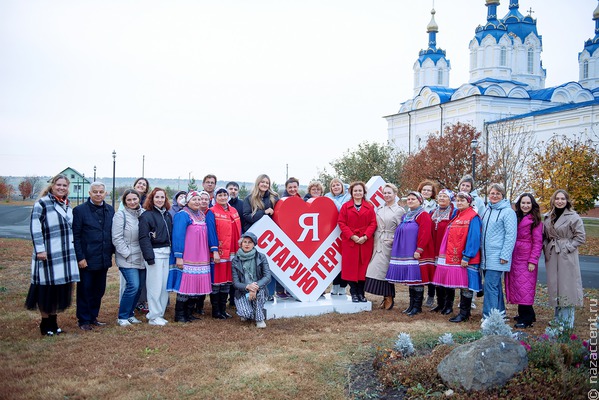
500, 228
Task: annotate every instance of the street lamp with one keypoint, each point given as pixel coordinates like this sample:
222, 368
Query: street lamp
474, 145
94, 173
113, 176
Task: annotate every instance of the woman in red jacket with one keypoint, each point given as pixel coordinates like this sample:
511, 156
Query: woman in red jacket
357, 221
228, 231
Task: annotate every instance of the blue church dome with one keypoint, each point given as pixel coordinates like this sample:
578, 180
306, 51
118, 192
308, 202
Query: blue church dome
517, 24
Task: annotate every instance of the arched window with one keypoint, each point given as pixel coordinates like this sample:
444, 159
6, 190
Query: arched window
585, 69
531, 57
472, 59
440, 77
503, 56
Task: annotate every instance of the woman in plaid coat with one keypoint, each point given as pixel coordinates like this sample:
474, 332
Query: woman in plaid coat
54, 264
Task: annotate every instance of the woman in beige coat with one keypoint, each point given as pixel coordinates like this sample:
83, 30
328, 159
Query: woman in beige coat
563, 232
387, 219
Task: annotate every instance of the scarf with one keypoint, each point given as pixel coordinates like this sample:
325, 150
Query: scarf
412, 214
441, 214
197, 216
557, 212
248, 263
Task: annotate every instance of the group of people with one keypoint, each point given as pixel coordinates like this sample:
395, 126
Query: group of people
200, 245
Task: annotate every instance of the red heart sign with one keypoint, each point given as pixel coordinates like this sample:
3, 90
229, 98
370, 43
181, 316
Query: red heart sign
306, 223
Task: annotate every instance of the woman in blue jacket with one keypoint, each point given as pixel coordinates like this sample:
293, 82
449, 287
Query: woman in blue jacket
500, 227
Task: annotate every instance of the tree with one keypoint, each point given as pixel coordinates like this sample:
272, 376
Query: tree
510, 154
275, 188
26, 189
570, 163
243, 192
192, 184
368, 160
445, 159
6, 189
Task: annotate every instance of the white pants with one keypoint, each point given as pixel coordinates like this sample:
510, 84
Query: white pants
156, 277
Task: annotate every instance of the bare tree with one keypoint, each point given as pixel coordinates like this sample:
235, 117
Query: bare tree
510, 153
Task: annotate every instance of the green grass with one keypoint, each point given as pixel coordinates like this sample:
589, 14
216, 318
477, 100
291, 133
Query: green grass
591, 227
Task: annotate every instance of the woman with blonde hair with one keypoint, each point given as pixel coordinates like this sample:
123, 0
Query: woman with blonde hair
54, 264
388, 216
563, 234
338, 193
315, 189
260, 202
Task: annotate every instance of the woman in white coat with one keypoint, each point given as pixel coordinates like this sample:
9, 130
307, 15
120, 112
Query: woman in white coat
387, 218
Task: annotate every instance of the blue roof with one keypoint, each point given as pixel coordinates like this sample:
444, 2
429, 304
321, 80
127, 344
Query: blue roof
591, 45
444, 93
434, 55
550, 110
497, 30
518, 24
493, 80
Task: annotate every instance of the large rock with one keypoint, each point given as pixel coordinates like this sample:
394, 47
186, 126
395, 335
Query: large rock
486, 363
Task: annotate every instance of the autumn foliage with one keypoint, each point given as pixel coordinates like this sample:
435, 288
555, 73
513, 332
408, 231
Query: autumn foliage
26, 189
566, 163
6, 189
445, 159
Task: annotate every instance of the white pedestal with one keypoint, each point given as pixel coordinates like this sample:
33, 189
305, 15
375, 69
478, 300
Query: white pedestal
289, 308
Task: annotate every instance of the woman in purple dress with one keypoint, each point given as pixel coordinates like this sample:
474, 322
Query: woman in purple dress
413, 253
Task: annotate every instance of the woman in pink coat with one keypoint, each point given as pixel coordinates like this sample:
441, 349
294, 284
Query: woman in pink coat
357, 221
521, 281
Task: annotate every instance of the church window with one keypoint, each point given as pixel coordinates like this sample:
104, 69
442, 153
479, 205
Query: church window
531, 56
440, 77
503, 56
585, 69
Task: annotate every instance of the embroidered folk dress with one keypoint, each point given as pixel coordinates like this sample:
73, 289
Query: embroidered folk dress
413, 234
461, 242
193, 242
228, 230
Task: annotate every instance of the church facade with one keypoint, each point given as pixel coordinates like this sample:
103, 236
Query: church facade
506, 83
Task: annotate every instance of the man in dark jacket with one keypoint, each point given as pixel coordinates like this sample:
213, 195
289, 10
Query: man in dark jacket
234, 200
92, 226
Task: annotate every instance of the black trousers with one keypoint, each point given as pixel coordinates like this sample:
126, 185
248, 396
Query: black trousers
357, 287
90, 290
526, 313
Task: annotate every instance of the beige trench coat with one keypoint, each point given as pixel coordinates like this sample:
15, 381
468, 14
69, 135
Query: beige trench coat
560, 245
387, 219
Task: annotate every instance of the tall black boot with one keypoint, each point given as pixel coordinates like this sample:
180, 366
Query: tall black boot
418, 298
199, 301
409, 309
449, 297
465, 304
440, 299
53, 324
180, 311
190, 308
223, 296
214, 300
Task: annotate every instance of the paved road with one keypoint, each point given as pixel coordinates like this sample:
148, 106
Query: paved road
14, 223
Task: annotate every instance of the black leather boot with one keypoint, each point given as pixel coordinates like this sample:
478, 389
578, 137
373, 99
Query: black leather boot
180, 311
440, 299
465, 304
449, 297
223, 296
411, 305
190, 308
45, 329
214, 301
199, 301
418, 298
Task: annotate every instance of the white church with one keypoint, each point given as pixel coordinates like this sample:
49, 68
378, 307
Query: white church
507, 82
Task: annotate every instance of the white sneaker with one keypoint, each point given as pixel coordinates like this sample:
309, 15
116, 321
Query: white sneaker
133, 320
260, 324
473, 305
123, 322
342, 291
157, 321
335, 290
164, 321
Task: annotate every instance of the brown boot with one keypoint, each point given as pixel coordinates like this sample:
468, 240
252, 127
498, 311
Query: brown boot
388, 303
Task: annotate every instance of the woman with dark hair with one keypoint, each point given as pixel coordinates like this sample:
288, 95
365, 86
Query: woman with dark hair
413, 254
387, 219
459, 255
125, 238
563, 233
357, 222
194, 240
53, 264
521, 281
143, 188
441, 216
155, 230
228, 230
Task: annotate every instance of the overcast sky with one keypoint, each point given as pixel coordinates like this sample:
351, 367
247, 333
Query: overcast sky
231, 87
